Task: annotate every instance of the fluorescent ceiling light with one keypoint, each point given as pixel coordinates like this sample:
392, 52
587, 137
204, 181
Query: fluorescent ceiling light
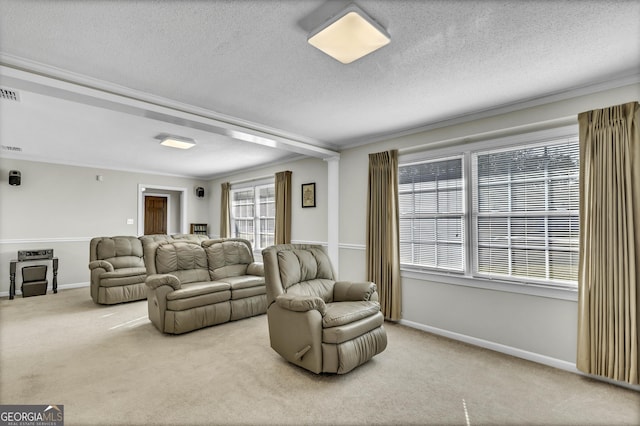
252, 138
349, 35
178, 142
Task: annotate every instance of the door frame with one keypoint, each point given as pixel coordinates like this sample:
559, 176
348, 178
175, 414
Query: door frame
150, 189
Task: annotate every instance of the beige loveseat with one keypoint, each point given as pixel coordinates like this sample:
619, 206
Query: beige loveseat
191, 285
316, 322
117, 269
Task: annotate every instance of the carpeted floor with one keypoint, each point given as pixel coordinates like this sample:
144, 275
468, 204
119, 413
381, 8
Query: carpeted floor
109, 365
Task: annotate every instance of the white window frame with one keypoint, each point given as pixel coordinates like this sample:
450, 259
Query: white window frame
467, 278
257, 231
462, 215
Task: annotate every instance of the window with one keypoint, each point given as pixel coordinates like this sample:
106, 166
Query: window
431, 214
253, 211
522, 224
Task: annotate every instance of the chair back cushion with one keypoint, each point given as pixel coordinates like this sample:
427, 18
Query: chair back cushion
228, 257
185, 259
301, 269
121, 251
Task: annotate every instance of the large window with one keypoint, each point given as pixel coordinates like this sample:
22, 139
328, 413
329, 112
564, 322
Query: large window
432, 214
521, 223
253, 214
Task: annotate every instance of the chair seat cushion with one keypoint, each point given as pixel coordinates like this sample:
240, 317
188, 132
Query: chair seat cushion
343, 333
197, 289
341, 313
124, 272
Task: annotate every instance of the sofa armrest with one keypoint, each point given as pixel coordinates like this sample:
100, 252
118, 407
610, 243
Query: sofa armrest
347, 291
95, 264
255, 268
155, 281
301, 303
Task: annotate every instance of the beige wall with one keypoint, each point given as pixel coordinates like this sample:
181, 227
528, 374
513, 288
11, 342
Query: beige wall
308, 224
543, 326
63, 207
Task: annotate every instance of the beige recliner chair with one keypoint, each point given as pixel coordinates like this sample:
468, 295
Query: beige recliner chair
117, 270
315, 322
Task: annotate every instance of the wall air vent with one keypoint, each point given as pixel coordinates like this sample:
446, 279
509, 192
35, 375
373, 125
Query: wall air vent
11, 148
8, 94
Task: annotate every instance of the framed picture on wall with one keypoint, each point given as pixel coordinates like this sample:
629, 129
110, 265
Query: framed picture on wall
308, 195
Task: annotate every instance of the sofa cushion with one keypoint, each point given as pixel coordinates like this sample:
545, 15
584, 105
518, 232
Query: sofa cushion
199, 301
242, 293
228, 258
244, 281
185, 260
199, 288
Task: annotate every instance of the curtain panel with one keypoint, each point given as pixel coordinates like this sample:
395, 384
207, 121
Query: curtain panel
608, 275
383, 246
225, 208
283, 208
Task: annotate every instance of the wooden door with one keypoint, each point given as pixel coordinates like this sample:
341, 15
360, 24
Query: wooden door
155, 215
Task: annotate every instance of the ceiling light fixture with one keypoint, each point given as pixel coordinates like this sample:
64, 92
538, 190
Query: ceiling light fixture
349, 35
177, 142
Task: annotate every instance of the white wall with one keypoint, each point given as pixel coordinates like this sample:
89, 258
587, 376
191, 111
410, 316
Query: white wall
527, 325
63, 207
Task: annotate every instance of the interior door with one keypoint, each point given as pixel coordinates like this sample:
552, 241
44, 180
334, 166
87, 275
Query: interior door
155, 215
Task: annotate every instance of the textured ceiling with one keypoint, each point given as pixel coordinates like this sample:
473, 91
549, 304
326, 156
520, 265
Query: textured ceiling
248, 62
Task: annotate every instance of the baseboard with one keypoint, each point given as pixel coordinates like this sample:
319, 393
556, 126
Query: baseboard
49, 290
519, 353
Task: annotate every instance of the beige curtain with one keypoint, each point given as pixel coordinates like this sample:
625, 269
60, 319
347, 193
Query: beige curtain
383, 247
225, 208
283, 208
608, 278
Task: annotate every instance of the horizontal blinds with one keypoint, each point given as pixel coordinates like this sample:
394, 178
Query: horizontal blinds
431, 204
525, 211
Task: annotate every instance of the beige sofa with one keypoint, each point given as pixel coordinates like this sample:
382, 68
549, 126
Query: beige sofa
117, 270
315, 322
191, 285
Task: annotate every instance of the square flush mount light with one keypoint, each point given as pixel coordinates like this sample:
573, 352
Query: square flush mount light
177, 142
349, 35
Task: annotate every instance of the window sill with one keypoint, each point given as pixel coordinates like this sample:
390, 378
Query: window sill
487, 284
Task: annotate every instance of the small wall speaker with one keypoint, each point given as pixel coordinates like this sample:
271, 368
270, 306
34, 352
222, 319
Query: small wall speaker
199, 192
14, 177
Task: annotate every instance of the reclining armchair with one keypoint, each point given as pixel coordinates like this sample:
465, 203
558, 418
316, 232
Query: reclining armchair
117, 270
315, 322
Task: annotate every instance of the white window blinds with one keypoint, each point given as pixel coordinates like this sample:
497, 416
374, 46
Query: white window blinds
431, 198
525, 212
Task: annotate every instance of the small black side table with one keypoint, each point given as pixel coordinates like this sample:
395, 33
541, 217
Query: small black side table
12, 274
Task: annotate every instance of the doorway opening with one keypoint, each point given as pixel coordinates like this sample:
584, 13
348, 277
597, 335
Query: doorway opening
161, 209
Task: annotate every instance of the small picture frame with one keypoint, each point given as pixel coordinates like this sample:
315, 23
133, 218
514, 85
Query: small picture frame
308, 195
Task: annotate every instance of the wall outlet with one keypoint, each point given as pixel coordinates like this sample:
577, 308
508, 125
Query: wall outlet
129, 221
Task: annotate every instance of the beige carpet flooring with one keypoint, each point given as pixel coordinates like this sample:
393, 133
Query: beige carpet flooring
109, 366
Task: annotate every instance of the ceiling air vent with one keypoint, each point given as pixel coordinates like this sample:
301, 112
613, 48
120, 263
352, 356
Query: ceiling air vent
9, 94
